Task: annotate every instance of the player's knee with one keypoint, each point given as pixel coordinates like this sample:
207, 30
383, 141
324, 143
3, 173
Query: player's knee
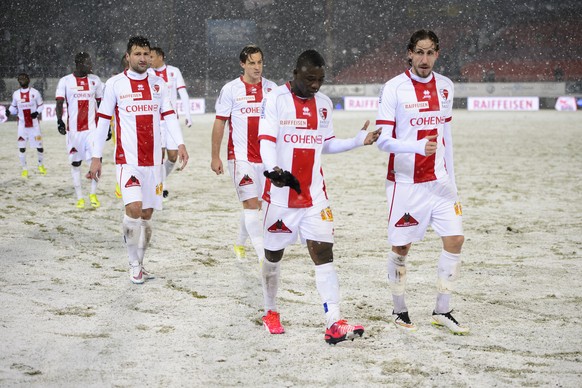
274, 256
453, 243
401, 250
76, 164
320, 252
22, 150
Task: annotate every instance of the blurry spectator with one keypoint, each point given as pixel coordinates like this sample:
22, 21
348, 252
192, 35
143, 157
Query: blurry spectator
558, 74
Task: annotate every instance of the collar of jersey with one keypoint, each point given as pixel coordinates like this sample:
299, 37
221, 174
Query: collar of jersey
133, 75
420, 79
161, 68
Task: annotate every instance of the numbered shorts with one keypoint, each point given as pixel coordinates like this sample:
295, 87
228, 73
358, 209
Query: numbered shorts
283, 225
79, 145
413, 207
168, 141
248, 179
141, 184
31, 135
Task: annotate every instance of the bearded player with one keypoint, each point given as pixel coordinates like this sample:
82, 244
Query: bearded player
414, 114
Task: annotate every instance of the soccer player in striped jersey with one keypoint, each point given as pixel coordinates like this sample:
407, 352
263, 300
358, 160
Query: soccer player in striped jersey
82, 91
295, 129
138, 100
414, 114
27, 104
239, 104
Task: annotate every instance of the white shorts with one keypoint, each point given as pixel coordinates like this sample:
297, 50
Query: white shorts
141, 184
167, 140
282, 225
31, 135
248, 179
413, 207
79, 145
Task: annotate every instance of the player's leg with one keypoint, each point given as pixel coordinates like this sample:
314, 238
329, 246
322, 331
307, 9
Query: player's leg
21, 142
253, 226
396, 269
316, 229
35, 141
75, 158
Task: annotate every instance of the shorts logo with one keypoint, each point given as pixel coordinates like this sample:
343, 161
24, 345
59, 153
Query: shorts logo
73, 151
246, 180
458, 209
406, 220
20, 138
278, 227
326, 214
132, 182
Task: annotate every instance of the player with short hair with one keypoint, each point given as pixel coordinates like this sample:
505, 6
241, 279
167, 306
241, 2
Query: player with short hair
239, 103
415, 112
295, 129
138, 100
28, 105
82, 92
176, 85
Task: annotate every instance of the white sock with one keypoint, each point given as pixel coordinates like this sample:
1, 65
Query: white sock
242, 230
40, 158
132, 235
76, 173
448, 271
93, 186
270, 273
397, 280
327, 284
255, 231
168, 167
22, 157
144, 239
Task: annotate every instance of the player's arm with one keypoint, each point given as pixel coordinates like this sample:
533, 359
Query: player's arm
335, 145
449, 162
217, 135
174, 130
39, 106
13, 108
106, 110
185, 105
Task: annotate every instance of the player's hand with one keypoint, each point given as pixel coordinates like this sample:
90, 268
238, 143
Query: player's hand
431, 145
61, 127
109, 134
182, 156
188, 122
95, 169
216, 166
34, 115
282, 178
372, 136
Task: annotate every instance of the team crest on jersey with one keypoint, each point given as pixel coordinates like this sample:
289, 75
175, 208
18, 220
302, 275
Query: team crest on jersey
426, 94
405, 221
156, 88
246, 180
278, 227
444, 94
132, 182
323, 113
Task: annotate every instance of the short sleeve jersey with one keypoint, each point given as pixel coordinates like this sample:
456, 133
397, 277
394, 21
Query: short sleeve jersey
299, 127
240, 104
413, 108
173, 78
138, 101
27, 101
81, 95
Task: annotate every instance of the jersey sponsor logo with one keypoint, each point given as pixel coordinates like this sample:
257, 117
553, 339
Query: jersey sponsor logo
140, 87
137, 108
302, 139
82, 95
427, 120
278, 227
131, 95
293, 123
246, 180
246, 98
250, 110
416, 105
405, 221
132, 182
323, 113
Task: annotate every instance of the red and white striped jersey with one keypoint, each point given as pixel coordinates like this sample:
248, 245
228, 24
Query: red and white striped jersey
138, 101
173, 78
81, 95
25, 102
411, 108
299, 127
240, 104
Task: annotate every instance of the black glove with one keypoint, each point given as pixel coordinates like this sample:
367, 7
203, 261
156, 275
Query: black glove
7, 112
109, 134
34, 115
283, 178
61, 127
